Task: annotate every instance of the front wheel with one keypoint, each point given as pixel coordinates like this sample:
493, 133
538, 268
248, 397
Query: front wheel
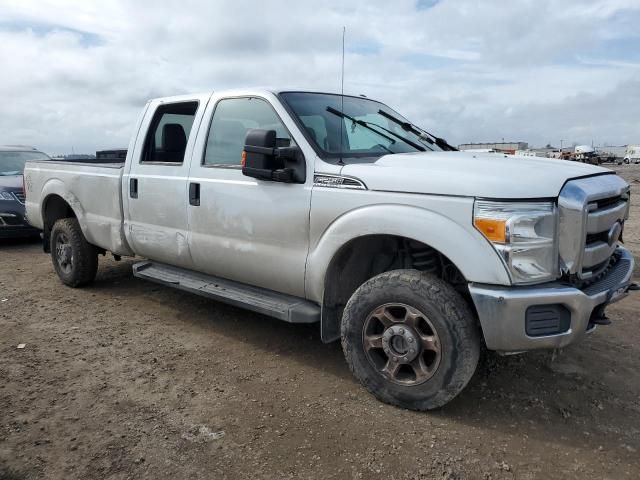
410, 339
74, 259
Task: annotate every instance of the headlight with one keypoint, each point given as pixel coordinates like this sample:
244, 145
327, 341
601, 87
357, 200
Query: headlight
524, 234
6, 196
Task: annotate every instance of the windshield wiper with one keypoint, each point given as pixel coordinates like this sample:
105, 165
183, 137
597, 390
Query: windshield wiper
404, 139
441, 142
360, 122
369, 125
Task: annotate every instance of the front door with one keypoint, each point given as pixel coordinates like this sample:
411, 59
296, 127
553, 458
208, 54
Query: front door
243, 229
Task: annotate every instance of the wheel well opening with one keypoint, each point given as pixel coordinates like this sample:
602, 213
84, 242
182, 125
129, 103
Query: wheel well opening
364, 258
55, 208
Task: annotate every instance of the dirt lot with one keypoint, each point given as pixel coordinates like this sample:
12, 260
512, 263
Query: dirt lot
127, 379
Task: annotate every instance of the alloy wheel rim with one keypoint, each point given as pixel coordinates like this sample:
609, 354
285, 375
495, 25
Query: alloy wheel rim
64, 253
402, 344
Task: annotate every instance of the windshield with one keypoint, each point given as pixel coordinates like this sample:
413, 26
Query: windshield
362, 128
12, 163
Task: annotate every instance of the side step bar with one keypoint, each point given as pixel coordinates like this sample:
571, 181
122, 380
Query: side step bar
284, 307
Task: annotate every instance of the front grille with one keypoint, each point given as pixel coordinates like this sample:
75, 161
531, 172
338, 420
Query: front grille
19, 196
592, 213
602, 215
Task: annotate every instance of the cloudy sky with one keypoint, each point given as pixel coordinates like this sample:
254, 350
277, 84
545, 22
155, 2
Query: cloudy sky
75, 73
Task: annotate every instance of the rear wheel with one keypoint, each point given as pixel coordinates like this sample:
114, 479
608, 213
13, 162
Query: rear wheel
410, 339
74, 259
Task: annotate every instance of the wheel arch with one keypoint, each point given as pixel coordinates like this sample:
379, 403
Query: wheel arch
58, 202
356, 246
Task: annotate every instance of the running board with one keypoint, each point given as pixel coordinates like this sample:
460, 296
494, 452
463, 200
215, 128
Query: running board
284, 307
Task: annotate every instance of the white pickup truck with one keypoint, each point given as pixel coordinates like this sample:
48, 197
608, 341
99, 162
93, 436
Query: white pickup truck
316, 207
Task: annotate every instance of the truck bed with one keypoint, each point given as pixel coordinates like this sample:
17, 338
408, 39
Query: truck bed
93, 191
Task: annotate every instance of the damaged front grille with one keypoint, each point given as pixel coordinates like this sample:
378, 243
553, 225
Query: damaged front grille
604, 222
592, 213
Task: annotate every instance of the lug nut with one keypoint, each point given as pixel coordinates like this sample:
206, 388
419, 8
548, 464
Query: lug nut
410, 339
401, 331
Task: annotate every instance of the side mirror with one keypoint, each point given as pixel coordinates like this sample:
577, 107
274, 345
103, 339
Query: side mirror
262, 158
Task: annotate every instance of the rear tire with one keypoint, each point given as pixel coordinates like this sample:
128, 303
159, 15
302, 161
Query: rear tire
410, 339
74, 259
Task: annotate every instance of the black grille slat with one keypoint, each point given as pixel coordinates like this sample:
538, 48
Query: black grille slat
597, 237
608, 202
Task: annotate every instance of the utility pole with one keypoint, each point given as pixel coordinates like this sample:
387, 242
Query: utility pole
561, 146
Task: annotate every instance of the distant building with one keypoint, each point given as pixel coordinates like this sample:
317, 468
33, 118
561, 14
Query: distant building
508, 147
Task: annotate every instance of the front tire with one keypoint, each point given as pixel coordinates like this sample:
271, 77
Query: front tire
410, 339
74, 259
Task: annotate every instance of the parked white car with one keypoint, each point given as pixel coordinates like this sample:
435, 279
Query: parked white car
314, 207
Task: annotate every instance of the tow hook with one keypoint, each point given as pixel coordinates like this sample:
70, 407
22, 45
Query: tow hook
598, 317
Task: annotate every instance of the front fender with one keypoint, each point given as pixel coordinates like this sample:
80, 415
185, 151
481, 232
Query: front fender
459, 241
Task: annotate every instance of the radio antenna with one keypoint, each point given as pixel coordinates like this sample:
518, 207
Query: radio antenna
344, 30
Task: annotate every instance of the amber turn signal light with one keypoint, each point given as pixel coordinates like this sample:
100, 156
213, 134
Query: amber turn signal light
494, 229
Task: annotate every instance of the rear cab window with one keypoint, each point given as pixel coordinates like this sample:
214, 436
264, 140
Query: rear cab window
168, 132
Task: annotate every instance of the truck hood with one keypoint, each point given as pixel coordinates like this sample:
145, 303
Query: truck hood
490, 175
11, 182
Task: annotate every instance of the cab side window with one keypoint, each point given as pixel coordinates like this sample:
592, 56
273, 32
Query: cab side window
168, 133
231, 120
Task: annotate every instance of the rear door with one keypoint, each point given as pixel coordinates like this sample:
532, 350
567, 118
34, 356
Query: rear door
155, 186
241, 228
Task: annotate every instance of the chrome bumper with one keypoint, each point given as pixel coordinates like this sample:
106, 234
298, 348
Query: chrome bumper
503, 310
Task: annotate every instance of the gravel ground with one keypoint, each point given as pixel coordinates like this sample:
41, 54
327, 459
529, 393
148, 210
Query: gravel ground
127, 379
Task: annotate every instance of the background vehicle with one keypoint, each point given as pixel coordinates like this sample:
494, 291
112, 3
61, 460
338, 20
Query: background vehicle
313, 207
106, 156
586, 154
12, 218
632, 154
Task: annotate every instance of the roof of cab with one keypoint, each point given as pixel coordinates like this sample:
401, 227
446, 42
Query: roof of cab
240, 91
17, 148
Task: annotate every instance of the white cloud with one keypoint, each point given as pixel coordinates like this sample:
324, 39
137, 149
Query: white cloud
76, 73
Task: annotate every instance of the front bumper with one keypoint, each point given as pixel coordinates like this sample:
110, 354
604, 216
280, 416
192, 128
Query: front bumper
504, 317
13, 225
23, 231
